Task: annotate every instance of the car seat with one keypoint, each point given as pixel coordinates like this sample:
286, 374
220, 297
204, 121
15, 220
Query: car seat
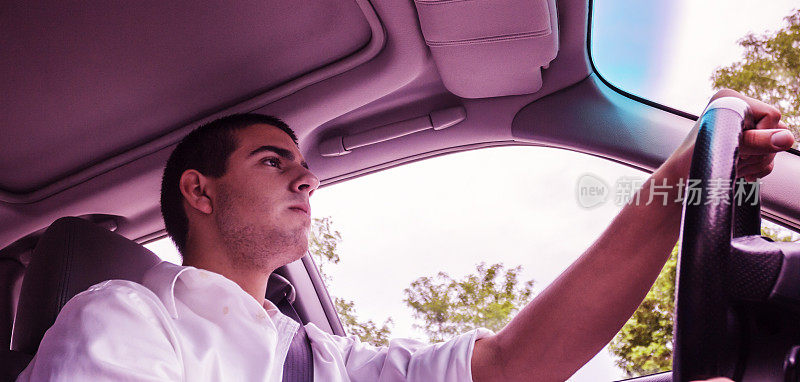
72, 255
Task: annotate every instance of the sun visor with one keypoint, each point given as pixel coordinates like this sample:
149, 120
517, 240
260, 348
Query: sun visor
488, 48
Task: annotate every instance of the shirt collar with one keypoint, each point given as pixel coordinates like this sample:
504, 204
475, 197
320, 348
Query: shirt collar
271, 308
161, 280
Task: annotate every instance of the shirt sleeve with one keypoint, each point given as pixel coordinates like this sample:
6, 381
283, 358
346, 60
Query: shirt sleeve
114, 331
346, 358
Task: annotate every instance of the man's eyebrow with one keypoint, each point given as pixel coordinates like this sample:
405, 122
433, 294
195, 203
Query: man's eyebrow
283, 153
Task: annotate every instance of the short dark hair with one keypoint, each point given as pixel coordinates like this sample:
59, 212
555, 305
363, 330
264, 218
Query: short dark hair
205, 149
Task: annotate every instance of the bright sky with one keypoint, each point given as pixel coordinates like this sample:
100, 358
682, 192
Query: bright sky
518, 205
680, 42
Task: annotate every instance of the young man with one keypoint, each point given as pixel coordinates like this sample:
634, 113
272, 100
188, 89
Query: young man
235, 199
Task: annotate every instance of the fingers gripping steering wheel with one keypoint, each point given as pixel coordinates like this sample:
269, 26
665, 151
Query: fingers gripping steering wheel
737, 292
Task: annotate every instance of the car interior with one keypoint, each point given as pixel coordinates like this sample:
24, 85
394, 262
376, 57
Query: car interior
97, 94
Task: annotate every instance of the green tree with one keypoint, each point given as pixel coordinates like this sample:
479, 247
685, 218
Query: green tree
367, 331
644, 345
487, 298
769, 71
323, 243
778, 234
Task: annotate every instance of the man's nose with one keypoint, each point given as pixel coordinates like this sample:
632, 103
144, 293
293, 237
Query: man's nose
306, 181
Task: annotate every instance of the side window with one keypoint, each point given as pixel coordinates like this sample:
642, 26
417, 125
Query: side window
165, 249
778, 232
438, 247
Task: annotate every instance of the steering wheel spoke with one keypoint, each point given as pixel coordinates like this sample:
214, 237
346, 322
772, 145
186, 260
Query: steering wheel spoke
753, 268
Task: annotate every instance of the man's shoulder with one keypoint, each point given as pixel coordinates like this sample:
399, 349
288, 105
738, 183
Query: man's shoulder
114, 328
111, 287
116, 296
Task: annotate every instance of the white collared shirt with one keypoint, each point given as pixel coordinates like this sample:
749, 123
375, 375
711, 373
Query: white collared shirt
188, 324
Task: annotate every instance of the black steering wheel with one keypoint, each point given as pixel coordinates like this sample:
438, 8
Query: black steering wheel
737, 293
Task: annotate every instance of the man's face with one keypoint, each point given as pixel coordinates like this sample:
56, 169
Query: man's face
262, 206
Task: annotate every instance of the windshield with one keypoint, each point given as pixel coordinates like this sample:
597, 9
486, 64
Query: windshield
678, 53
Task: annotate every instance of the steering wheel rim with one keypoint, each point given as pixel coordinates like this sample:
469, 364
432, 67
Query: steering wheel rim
705, 328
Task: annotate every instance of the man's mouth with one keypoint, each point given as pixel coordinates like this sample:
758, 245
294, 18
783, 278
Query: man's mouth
301, 208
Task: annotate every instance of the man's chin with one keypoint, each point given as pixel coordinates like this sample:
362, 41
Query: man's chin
302, 252
297, 253
297, 257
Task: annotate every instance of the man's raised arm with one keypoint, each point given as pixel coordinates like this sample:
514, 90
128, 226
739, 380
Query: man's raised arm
582, 310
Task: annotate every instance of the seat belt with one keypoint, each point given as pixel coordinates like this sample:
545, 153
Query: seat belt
299, 363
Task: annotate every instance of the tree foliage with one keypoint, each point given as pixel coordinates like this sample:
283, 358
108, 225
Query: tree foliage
769, 70
323, 243
644, 345
367, 331
778, 234
487, 298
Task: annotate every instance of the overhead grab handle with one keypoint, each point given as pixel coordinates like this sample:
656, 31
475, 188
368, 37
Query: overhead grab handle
437, 120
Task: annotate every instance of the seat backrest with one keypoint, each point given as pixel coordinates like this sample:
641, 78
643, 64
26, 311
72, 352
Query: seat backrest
11, 273
72, 255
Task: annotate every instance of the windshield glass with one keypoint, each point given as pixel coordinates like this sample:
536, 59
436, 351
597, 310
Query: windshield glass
678, 53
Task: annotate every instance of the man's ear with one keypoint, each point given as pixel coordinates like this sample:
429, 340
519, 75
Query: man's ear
196, 190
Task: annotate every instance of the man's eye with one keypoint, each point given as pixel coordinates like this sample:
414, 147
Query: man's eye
273, 162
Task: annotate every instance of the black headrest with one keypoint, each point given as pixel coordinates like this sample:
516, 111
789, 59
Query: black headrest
72, 255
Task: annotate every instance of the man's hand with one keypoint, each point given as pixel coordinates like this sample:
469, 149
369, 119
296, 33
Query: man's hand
757, 147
